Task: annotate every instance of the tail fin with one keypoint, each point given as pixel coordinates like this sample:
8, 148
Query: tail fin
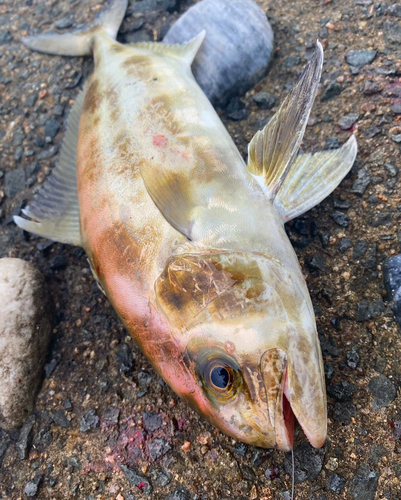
79, 42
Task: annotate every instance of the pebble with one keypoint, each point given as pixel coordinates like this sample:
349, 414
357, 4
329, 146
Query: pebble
52, 126
361, 183
368, 310
180, 493
394, 10
383, 391
221, 18
236, 110
343, 412
332, 90
363, 484
161, 478
392, 170
344, 244
125, 357
89, 420
60, 418
240, 448
380, 219
264, 100
335, 483
31, 489
353, 358
376, 452
308, 462
25, 438
341, 391
359, 249
347, 121
152, 421
392, 283
396, 108
392, 32
14, 182
340, 218
25, 329
112, 414
137, 479
317, 262
360, 57
157, 448
63, 23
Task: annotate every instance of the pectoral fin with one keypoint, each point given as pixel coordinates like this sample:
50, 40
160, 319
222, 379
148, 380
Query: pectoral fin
55, 210
312, 178
273, 149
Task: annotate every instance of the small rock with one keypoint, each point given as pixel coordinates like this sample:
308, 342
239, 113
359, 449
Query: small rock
31, 489
30, 101
396, 108
363, 485
371, 132
380, 219
157, 448
5, 37
49, 367
137, 479
352, 357
291, 61
332, 143
308, 462
89, 420
221, 19
125, 358
383, 391
264, 100
63, 23
25, 438
25, 329
367, 310
392, 170
340, 218
236, 110
240, 448
347, 121
392, 32
152, 421
144, 379
341, 391
376, 452
341, 204
58, 262
51, 128
359, 250
394, 10
179, 493
332, 90
111, 415
361, 183
344, 244
335, 483
317, 262
343, 412
161, 478
360, 57
59, 418
14, 182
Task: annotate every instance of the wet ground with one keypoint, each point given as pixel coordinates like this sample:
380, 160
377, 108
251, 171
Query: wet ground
105, 426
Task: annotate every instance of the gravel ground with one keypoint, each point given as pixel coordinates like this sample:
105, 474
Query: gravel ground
105, 426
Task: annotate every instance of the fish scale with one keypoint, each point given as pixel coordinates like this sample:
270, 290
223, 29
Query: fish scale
185, 239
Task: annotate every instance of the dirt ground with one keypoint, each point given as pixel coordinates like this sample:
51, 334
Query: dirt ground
105, 426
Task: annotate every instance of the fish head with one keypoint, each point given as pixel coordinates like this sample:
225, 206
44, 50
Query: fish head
249, 342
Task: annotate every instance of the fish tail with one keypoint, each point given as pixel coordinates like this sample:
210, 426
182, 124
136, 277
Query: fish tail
80, 41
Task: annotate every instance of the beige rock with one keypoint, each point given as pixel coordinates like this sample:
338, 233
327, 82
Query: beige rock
25, 328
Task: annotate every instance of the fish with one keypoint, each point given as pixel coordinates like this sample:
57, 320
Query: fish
186, 240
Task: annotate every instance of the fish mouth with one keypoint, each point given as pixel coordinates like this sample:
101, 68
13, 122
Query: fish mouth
284, 407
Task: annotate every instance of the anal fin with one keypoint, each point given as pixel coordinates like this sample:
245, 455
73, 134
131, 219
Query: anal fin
312, 178
55, 209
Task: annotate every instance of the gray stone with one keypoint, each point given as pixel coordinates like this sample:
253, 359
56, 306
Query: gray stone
368, 310
376, 452
308, 462
25, 438
222, 74
340, 218
335, 483
332, 90
137, 478
360, 57
361, 183
264, 100
14, 182
341, 391
51, 128
383, 391
60, 418
25, 328
89, 420
394, 10
346, 122
352, 357
343, 412
359, 250
63, 23
392, 170
392, 32
18, 137
5, 37
396, 108
31, 489
363, 484
180, 493
157, 448
152, 421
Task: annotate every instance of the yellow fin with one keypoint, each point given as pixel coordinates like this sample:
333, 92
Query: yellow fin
273, 149
313, 177
55, 209
186, 51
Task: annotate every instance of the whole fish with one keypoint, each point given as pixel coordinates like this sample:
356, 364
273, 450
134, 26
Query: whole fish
186, 240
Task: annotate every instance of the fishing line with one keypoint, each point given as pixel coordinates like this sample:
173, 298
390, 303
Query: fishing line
293, 474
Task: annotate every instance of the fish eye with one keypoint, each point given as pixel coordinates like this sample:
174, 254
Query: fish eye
220, 377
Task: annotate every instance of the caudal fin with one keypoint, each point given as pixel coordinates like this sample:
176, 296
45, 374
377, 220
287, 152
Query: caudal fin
80, 41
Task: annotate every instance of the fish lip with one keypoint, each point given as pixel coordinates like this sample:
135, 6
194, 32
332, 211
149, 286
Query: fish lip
274, 370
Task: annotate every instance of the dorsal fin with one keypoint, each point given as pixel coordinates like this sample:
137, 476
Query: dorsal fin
273, 149
186, 51
55, 209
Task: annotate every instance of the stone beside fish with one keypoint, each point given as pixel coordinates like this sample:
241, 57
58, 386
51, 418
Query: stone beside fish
185, 239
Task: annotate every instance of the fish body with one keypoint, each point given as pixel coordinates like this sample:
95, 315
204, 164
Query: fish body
187, 241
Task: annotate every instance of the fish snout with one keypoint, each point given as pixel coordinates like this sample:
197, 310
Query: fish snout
274, 370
